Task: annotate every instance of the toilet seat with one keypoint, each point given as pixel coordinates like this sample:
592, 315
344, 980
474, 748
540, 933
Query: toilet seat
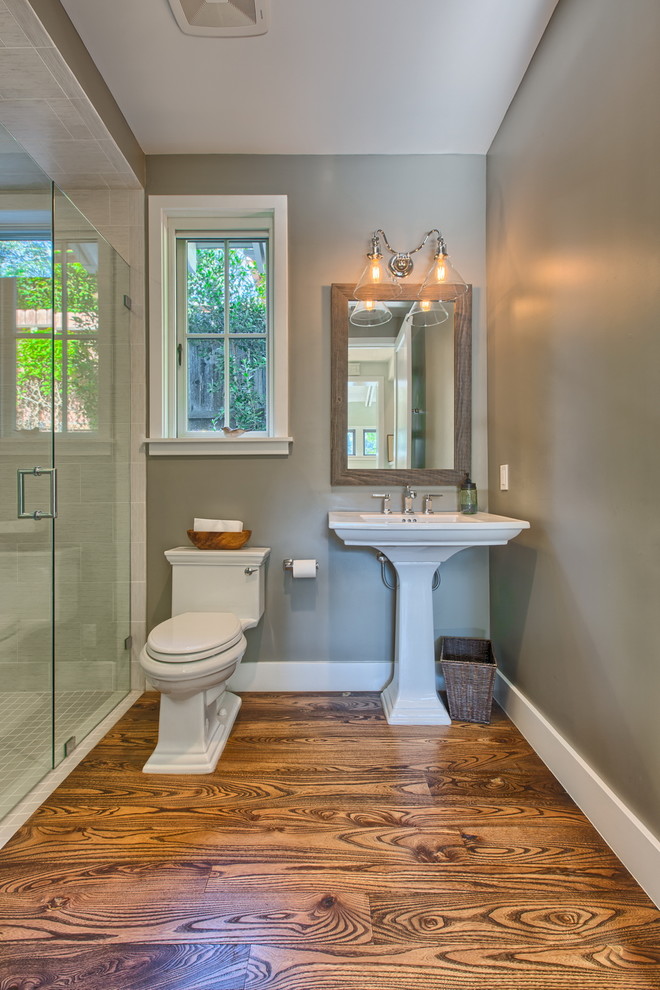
193, 636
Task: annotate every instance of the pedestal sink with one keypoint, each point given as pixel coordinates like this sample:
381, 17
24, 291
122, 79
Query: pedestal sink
417, 545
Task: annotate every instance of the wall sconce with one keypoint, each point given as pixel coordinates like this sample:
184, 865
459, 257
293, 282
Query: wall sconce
378, 283
428, 313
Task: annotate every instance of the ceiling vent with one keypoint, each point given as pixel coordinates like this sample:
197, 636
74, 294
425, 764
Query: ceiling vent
222, 18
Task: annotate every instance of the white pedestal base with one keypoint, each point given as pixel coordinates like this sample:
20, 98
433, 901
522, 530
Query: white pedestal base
192, 731
411, 697
400, 710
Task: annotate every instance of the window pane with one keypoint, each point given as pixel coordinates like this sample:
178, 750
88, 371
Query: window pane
34, 384
82, 394
34, 305
370, 443
206, 385
76, 286
247, 286
248, 383
205, 287
32, 258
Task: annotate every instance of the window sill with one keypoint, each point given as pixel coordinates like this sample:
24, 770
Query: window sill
215, 447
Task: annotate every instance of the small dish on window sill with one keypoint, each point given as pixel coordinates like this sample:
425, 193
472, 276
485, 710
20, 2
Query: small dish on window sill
218, 541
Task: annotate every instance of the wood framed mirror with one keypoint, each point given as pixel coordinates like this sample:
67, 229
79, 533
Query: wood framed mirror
401, 393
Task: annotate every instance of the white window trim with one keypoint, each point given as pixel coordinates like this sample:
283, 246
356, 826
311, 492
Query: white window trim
167, 214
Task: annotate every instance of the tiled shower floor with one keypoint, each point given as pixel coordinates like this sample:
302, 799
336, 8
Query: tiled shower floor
25, 734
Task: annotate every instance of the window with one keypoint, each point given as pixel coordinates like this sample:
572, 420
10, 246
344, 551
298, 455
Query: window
370, 443
50, 362
218, 325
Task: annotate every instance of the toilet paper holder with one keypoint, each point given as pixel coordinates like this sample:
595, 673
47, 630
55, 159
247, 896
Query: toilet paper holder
287, 564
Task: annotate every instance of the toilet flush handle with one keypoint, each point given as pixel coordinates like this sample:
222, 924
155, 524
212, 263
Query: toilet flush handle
250, 570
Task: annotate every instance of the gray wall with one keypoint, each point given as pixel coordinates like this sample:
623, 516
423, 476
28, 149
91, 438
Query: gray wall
334, 205
574, 387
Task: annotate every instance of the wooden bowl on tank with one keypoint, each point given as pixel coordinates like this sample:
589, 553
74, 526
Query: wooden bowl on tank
219, 541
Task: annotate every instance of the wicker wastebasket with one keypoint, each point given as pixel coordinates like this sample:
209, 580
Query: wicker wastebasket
469, 667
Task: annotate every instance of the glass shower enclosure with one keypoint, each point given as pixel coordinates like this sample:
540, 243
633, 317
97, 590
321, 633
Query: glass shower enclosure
64, 475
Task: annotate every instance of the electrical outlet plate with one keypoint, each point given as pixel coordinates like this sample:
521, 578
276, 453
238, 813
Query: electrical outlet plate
504, 477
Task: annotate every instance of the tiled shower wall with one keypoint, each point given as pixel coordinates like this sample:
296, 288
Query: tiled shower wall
44, 107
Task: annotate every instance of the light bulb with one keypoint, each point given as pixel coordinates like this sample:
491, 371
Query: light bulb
376, 281
440, 268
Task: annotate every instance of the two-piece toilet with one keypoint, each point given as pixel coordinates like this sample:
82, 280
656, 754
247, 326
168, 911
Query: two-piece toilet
216, 594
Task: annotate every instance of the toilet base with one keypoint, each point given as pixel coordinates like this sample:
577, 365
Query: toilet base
193, 731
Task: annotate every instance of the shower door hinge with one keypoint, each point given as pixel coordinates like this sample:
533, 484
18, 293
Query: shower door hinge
128, 302
69, 746
128, 642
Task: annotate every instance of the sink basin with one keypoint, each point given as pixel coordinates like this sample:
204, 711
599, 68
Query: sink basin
417, 545
439, 529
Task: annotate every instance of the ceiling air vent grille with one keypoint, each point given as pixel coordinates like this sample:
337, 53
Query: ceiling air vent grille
221, 18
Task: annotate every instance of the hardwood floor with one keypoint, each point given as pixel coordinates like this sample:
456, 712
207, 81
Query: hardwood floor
329, 851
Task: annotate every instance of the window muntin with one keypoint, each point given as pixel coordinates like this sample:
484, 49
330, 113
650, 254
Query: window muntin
223, 332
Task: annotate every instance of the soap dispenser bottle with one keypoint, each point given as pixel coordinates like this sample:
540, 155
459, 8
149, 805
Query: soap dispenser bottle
467, 497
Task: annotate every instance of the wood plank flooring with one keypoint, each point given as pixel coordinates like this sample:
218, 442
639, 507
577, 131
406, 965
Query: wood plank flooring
328, 851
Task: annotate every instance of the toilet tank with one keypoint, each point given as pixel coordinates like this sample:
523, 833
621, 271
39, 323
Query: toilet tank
219, 581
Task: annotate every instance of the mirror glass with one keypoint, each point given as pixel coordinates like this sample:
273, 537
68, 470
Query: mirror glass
400, 399
401, 394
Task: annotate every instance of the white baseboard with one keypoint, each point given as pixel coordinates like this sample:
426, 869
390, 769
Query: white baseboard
311, 675
634, 844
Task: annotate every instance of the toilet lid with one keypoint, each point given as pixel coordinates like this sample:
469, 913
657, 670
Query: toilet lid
194, 636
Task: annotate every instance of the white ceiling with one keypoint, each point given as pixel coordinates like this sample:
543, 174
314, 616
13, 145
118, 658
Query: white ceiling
330, 77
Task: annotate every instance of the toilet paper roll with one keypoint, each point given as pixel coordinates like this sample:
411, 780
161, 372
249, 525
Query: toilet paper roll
304, 568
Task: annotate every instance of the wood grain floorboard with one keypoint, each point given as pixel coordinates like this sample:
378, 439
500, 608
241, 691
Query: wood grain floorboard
454, 967
100, 787
331, 811
548, 920
31, 966
273, 917
327, 850
50, 878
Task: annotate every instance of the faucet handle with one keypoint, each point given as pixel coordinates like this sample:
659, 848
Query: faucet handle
428, 503
386, 501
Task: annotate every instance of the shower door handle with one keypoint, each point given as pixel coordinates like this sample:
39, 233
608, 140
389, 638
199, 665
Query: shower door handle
37, 472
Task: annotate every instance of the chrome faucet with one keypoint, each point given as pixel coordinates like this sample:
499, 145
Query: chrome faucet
386, 502
409, 497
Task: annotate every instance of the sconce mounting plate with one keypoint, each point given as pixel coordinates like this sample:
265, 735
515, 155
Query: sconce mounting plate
400, 265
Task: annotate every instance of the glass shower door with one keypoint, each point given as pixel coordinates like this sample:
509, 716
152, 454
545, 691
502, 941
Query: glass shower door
64, 437
91, 442
27, 481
